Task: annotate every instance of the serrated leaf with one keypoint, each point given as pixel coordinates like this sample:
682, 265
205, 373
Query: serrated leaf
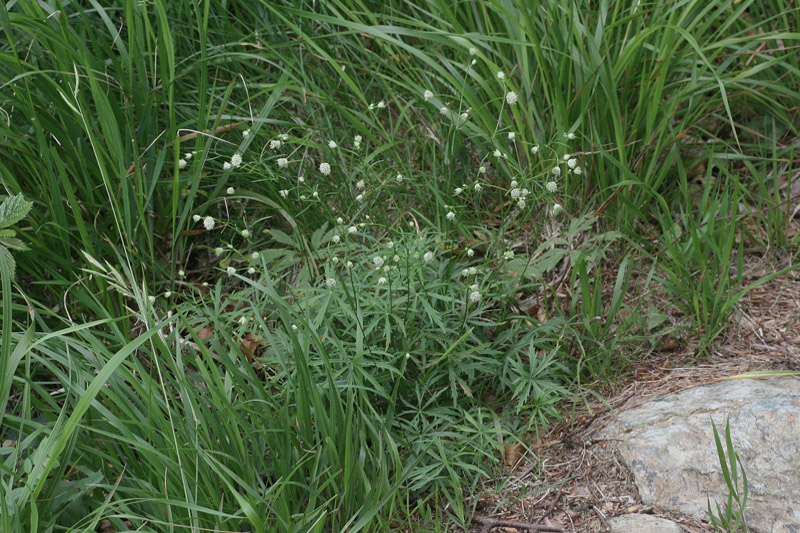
13, 243
7, 233
13, 209
9, 261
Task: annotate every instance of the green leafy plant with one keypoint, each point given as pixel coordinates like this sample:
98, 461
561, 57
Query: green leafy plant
732, 517
12, 210
703, 261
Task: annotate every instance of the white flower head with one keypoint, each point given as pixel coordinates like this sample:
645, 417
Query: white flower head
357, 141
218, 251
556, 171
578, 170
196, 218
236, 160
230, 190
521, 204
284, 136
497, 153
443, 110
557, 209
251, 270
208, 222
360, 198
336, 239
226, 166
478, 187
514, 184
428, 257
515, 193
570, 136
349, 264
352, 230
332, 144
511, 98
381, 281
458, 191
470, 252
377, 261
381, 104
360, 184
551, 186
535, 149
181, 273
501, 75
231, 271
330, 283
254, 256
475, 296
301, 179
246, 134
482, 170
473, 51
325, 169
450, 216
282, 162
181, 164
246, 233
511, 135
572, 163
400, 178
274, 144
188, 156
284, 193
315, 194
508, 255
390, 245
427, 95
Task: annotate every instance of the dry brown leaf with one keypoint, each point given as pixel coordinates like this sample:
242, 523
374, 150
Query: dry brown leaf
541, 316
668, 344
249, 346
205, 333
512, 454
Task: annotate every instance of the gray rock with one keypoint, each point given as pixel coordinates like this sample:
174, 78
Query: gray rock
669, 445
639, 523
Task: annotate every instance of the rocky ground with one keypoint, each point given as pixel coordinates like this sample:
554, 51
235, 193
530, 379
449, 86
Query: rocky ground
583, 475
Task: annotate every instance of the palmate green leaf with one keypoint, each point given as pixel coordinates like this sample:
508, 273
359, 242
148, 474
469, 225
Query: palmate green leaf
13, 209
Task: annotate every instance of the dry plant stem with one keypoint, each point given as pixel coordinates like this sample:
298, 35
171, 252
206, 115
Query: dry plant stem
489, 523
601, 516
553, 504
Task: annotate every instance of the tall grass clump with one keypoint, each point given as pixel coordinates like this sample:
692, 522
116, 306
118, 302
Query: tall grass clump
312, 266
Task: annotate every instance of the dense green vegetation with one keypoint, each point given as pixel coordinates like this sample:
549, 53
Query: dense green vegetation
309, 266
